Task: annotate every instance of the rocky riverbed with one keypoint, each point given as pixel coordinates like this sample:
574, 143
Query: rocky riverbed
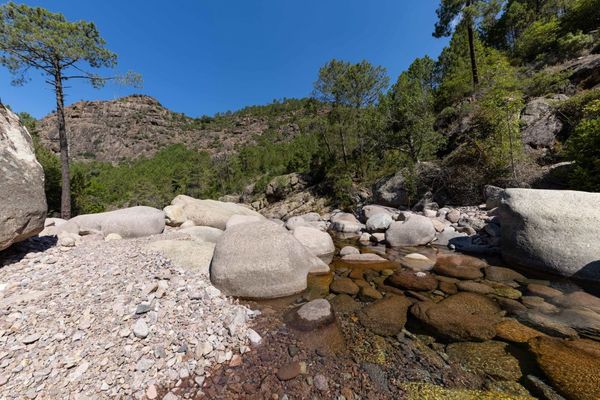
109, 320
377, 304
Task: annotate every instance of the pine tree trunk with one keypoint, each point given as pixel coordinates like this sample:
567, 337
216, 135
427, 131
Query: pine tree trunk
472, 54
65, 201
471, 36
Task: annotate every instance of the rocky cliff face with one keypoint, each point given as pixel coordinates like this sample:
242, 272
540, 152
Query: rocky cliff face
138, 125
22, 199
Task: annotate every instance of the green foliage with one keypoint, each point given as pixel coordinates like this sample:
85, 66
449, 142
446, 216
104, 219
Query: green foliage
573, 44
353, 85
546, 82
571, 111
408, 110
538, 38
584, 147
581, 15
497, 118
38, 38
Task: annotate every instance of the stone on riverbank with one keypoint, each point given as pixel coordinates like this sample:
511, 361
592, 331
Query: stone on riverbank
130, 222
553, 231
210, 212
261, 260
22, 198
416, 230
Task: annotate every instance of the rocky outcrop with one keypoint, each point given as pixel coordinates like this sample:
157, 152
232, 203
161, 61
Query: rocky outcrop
261, 260
552, 231
282, 186
22, 198
540, 124
393, 191
128, 223
139, 126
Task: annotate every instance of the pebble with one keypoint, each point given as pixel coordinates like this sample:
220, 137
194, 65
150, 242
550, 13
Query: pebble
321, 383
291, 370
140, 329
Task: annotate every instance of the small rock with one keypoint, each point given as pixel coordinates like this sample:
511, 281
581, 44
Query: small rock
320, 381
291, 370
140, 329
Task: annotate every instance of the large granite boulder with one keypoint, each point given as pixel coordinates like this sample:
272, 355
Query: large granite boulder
22, 198
207, 212
261, 260
130, 222
416, 230
316, 241
552, 231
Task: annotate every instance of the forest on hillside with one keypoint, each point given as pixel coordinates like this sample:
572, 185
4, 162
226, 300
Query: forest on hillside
460, 113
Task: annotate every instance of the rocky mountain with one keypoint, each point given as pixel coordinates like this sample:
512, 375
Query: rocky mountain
138, 125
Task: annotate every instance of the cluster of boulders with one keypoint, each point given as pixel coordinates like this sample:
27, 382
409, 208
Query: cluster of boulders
475, 306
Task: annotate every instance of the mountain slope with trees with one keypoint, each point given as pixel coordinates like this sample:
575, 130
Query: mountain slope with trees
506, 103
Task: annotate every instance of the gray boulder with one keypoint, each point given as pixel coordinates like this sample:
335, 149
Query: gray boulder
22, 198
541, 125
379, 222
316, 241
416, 230
394, 190
209, 212
203, 233
552, 231
261, 260
345, 222
192, 255
128, 222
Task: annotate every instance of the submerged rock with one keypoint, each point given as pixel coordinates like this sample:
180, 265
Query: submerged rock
464, 316
410, 280
573, 366
489, 358
385, 317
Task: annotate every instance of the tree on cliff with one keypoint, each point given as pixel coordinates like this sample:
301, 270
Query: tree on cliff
452, 13
46, 41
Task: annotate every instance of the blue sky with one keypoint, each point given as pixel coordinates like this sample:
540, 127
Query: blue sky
206, 56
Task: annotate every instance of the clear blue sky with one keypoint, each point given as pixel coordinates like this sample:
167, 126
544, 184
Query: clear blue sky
207, 56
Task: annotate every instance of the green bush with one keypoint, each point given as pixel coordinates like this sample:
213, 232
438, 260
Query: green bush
572, 44
584, 147
546, 82
538, 39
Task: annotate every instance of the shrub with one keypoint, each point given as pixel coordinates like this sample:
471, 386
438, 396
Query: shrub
584, 147
546, 82
572, 44
537, 39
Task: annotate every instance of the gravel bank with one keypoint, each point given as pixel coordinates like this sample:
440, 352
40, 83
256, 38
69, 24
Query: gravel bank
109, 320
